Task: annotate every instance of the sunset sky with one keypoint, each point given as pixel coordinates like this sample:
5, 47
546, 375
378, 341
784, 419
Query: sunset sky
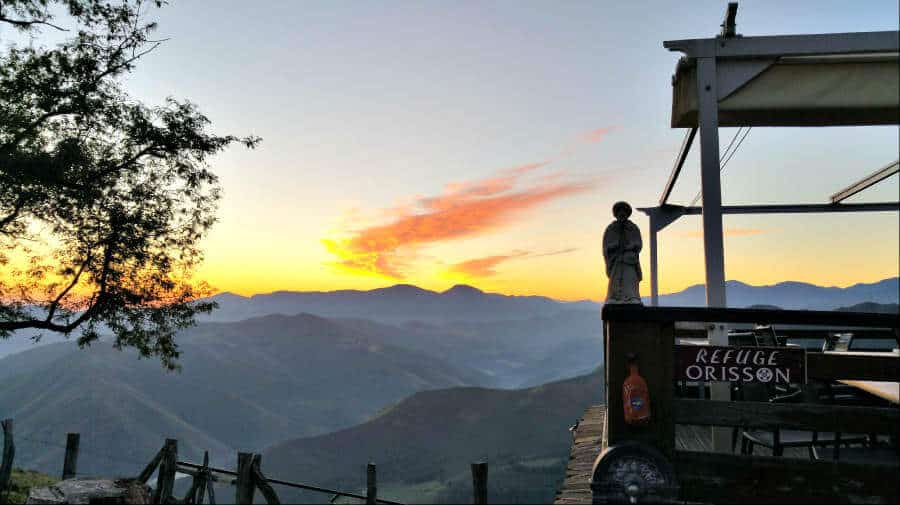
437, 143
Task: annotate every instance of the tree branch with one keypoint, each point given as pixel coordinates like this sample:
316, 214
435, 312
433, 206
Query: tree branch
28, 24
20, 203
36, 123
97, 302
55, 303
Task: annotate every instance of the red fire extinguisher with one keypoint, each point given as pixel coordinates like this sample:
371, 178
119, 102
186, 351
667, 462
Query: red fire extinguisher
635, 396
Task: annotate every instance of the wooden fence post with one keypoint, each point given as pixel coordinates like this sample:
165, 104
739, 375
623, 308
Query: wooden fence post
243, 492
371, 484
207, 479
479, 482
147, 472
201, 480
261, 483
9, 452
165, 478
70, 463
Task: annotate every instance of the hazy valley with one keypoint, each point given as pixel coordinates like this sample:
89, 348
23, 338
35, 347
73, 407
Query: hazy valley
419, 381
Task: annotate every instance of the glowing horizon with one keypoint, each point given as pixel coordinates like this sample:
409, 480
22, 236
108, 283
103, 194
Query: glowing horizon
643, 294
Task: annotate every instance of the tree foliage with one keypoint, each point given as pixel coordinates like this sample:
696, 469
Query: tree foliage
103, 199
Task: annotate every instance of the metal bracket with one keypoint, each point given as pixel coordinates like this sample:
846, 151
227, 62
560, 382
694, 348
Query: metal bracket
664, 215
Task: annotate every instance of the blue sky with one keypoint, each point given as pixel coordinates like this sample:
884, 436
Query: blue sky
368, 108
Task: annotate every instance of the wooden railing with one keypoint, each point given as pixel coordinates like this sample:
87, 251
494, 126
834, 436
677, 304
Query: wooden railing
724, 477
247, 478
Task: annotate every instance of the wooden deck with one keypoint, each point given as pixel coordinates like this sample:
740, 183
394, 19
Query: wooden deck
586, 443
588, 439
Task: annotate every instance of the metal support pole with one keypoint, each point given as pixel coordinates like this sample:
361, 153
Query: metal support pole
654, 262
713, 246
713, 243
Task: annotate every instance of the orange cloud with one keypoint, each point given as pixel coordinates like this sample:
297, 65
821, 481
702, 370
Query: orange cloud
484, 267
465, 209
730, 232
455, 192
596, 135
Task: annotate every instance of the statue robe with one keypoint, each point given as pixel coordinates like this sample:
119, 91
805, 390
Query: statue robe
621, 245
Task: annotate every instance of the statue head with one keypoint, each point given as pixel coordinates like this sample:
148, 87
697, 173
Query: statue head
621, 210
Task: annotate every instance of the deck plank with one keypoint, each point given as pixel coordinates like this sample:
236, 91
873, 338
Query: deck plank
586, 443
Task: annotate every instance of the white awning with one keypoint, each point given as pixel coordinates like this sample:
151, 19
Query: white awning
821, 90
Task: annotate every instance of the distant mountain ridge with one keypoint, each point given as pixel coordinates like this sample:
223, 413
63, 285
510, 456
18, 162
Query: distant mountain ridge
401, 302
405, 302
790, 295
883, 308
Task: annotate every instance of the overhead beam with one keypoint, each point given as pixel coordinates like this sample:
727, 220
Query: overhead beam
866, 182
805, 208
664, 215
788, 45
686, 143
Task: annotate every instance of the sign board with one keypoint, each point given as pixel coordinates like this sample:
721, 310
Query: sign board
712, 363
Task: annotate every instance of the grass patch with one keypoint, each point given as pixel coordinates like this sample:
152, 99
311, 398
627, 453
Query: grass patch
22, 481
421, 492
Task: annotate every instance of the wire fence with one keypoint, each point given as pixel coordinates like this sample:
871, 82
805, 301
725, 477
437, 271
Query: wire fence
97, 461
512, 478
46, 456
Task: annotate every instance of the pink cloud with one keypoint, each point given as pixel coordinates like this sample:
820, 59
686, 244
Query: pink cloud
465, 209
597, 134
485, 267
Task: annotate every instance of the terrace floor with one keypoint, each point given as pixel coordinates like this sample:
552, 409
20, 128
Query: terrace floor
588, 439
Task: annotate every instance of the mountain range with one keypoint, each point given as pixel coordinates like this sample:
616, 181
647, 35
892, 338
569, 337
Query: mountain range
423, 446
251, 383
790, 295
305, 372
244, 385
401, 302
404, 302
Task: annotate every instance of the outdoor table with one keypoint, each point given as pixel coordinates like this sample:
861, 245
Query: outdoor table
887, 390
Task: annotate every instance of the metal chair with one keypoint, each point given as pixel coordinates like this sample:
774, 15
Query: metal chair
765, 336
839, 342
843, 394
872, 453
778, 440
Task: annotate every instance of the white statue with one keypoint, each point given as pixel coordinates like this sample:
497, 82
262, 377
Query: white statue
621, 245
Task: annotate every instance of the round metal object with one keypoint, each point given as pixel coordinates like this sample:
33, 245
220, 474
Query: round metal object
632, 472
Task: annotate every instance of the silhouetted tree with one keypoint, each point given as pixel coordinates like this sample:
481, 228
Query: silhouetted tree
103, 199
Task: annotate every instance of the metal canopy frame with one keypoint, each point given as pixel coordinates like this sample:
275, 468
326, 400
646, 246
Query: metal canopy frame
867, 182
664, 215
725, 64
